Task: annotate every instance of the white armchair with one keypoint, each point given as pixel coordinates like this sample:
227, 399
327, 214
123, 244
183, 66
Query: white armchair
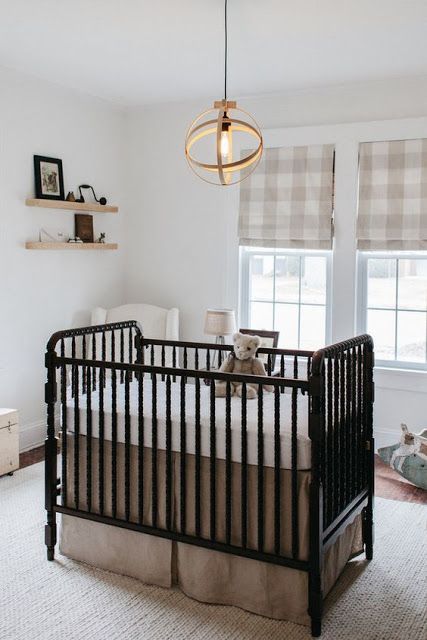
156, 322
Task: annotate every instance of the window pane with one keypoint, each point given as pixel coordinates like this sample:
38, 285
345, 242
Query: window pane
413, 284
313, 280
262, 277
287, 278
382, 283
261, 315
312, 331
411, 336
286, 321
381, 326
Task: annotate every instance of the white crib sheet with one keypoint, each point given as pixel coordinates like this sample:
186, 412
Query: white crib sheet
303, 442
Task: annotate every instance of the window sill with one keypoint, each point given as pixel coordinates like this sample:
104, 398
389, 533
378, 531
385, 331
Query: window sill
414, 380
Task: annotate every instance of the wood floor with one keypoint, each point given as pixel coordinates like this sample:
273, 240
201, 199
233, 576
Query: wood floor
388, 483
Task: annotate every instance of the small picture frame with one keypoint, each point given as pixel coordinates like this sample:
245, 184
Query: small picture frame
49, 179
83, 224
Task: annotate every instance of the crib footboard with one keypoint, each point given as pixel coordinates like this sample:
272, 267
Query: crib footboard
342, 396
159, 453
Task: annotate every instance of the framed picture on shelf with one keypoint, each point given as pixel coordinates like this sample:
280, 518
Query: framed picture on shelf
49, 179
83, 224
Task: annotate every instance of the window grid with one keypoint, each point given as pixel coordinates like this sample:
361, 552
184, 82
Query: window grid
246, 302
364, 258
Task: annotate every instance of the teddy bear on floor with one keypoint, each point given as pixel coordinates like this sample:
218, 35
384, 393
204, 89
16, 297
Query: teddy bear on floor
243, 361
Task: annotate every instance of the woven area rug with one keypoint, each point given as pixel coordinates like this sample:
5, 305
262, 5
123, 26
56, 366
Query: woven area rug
384, 599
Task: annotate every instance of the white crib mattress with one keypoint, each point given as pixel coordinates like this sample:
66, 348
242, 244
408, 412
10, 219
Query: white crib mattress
303, 442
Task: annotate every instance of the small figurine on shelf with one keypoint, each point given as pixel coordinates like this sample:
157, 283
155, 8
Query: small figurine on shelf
101, 238
70, 197
101, 200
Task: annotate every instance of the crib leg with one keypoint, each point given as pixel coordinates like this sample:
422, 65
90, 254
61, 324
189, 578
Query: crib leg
51, 490
316, 627
368, 530
315, 604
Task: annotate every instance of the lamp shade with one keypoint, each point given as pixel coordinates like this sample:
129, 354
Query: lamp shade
220, 322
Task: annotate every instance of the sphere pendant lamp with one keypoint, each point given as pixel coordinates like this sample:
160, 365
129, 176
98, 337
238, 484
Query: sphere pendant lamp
209, 141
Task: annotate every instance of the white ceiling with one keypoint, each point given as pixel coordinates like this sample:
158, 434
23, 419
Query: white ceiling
144, 51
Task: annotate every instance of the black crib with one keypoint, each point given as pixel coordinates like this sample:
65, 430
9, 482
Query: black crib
337, 382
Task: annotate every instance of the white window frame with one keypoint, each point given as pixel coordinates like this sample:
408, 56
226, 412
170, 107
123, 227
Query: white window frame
246, 252
362, 318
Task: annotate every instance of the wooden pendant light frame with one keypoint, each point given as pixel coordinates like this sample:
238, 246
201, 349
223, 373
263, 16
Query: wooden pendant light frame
215, 126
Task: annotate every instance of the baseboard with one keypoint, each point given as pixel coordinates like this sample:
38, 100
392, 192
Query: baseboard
32, 435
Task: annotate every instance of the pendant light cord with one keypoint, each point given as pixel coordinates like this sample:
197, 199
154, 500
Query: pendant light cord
225, 50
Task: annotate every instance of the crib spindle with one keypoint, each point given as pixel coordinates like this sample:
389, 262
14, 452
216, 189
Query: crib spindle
93, 358
329, 488
244, 469
197, 434
294, 474
89, 441
182, 457
277, 487
343, 453
101, 435
337, 459
64, 428
168, 455
260, 470
359, 419
228, 492
84, 370
122, 354
127, 445
140, 448
154, 451
212, 463
75, 388
114, 442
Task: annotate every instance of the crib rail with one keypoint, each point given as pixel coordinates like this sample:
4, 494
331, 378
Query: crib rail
180, 481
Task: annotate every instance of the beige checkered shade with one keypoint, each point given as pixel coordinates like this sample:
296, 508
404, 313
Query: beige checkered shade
287, 201
392, 196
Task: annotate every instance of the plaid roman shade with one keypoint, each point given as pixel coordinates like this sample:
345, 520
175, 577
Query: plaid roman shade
392, 195
287, 201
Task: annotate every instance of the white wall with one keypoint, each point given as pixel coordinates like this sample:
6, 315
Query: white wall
183, 242
41, 292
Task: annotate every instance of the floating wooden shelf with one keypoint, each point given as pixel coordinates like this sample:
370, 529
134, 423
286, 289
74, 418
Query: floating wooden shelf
70, 206
71, 246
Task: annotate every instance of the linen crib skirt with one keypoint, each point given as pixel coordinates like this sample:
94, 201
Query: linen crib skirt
206, 575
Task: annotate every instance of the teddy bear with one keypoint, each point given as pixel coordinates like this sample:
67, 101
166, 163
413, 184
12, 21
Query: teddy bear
242, 360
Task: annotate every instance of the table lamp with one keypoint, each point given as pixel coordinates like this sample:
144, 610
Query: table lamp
220, 323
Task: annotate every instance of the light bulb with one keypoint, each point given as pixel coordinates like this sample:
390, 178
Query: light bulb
225, 144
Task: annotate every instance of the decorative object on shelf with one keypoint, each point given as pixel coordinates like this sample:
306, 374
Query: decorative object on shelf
52, 235
269, 339
408, 457
75, 240
83, 223
101, 238
242, 360
210, 139
49, 181
70, 197
101, 200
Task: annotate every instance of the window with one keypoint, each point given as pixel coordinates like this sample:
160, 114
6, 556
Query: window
393, 293
287, 291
